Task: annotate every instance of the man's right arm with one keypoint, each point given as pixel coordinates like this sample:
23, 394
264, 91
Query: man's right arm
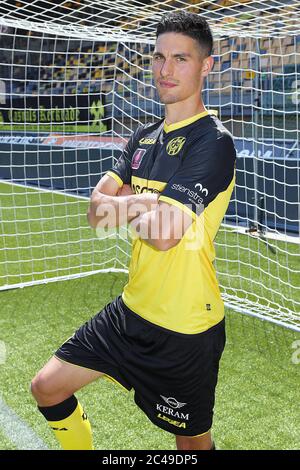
108, 210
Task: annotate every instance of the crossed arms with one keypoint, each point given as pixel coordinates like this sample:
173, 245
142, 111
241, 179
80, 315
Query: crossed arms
160, 224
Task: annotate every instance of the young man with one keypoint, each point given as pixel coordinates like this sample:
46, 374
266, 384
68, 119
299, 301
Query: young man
164, 335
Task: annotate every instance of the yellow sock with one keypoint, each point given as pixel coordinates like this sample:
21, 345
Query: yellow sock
74, 431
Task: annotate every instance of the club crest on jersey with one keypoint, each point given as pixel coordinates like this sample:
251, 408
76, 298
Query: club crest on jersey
137, 158
175, 145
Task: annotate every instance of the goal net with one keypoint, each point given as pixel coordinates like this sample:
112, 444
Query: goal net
75, 82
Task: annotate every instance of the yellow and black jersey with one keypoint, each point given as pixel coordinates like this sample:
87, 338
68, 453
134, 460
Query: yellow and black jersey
191, 164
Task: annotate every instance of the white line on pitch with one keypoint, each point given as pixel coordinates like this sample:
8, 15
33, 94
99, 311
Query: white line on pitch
45, 190
17, 431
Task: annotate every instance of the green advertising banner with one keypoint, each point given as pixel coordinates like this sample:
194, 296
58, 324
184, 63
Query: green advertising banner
55, 113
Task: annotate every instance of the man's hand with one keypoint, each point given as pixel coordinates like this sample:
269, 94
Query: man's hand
112, 206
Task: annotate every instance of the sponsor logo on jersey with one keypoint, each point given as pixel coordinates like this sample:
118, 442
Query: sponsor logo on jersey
193, 195
175, 145
201, 189
137, 158
147, 141
138, 189
143, 185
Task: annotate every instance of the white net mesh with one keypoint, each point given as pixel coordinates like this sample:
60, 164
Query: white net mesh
75, 81
130, 20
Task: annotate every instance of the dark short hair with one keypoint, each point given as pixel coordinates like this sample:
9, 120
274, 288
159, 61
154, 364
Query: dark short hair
189, 24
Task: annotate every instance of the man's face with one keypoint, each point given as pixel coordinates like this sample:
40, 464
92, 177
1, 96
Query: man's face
179, 67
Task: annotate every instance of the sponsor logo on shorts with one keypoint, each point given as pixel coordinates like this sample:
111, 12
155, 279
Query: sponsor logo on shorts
178, 424
173, 402
170, 414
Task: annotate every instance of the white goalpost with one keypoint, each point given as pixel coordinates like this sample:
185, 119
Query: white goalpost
75, 82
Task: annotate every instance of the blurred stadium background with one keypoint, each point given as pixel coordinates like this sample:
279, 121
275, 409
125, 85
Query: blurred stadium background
75, 81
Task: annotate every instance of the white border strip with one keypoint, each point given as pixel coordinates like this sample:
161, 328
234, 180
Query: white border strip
63, 278
17, 431
37, 188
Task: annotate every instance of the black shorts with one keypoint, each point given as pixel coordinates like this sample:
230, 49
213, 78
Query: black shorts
173, 375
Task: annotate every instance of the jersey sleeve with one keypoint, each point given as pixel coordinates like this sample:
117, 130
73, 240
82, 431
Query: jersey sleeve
121, 171
206, 170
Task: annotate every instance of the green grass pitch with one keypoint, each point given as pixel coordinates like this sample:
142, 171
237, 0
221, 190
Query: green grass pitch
257, 394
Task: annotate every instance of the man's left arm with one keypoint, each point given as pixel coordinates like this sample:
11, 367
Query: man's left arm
163, 227
206, 171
